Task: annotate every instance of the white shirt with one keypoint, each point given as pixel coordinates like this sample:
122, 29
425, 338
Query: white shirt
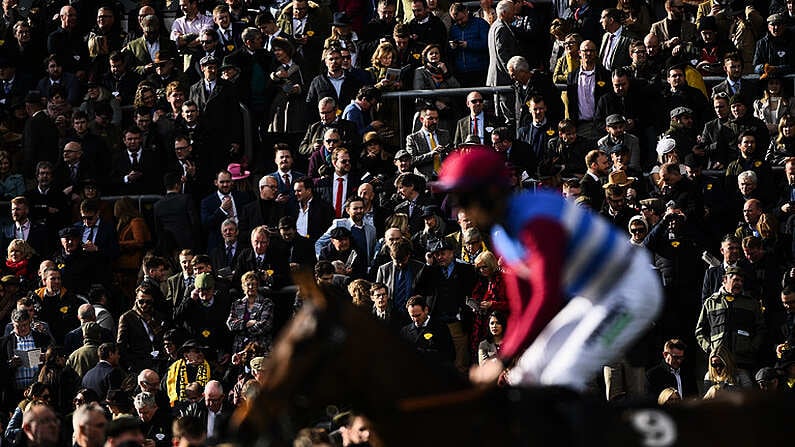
428, 138
22, 231
234, 208
302, 222
481, 129
210, 423
298, 26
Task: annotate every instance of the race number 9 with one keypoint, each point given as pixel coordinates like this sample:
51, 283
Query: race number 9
656, 428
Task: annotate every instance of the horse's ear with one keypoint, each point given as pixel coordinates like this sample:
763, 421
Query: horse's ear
308, 289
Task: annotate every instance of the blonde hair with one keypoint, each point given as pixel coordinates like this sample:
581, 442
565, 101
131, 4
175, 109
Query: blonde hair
665, 396
488, 259
381, 50
360, 292
248, 276
21, 245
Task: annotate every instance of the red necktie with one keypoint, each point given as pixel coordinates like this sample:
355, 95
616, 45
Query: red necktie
338, 200
475, 126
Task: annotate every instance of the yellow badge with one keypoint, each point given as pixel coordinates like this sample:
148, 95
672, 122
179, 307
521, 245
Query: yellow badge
550, 132
310, 33
428, 335
675, 244
600, 83
64, 309
205, 333
338, 112
416, 56
729, 298
61, 266
757, 163
230, 48
709, 186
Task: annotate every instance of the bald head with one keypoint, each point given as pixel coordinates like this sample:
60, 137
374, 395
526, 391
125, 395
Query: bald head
86, 313
68, 16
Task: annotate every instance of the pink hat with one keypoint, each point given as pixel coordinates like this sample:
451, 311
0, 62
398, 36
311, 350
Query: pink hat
236, 169
472, 169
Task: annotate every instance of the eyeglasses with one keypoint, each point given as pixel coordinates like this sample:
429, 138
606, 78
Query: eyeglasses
476, 101
181, 148
332, 140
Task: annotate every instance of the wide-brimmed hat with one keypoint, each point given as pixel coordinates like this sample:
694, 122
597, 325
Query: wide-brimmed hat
618, 178
163, 57
237, 171
192, 345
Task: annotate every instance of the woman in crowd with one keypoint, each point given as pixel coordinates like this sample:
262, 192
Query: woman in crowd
722, 371
774, 104
359, 289
384, 58
638, 229
19, 261
435, 75
134, 235
668, 396
489, 294
96, 94
62, 380
570, 61
486, 11
145, 96
288, 106
375, 160
783, 146
241, 372
490, 346
251, 317
11, 184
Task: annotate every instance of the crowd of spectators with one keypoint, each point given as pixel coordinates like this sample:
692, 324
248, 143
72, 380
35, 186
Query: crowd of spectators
264, 132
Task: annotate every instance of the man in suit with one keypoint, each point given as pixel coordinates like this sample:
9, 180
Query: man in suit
106, 375
411, 187
429, 336
121, 82
98, 235
215, 97
74, 338
313, 138
215, 412
284, 174
669, 372
22, 337
22, 227
734, 84
225, 254
265, 210
135, 170
446, 283
228, 31
584, 87
253, 90
516, 152
476, 123
175, 214
673, 31
142, 50
210, 46
401, 275
528, 83
313, 214
428, 145
40, 136
47, 204
263, 255
322, 86
503, 45
180, 282
591, 183
300, 251
14, 87
341, 184
614, 51
363, 235
140, 331
731, 251
74, 168
222, 204
56, 76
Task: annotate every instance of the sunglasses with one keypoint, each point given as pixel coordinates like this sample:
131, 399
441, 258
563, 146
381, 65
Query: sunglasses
637, 230
476, 101
717, 365
332, 140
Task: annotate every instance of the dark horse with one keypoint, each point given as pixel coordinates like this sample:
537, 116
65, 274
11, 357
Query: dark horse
333, 352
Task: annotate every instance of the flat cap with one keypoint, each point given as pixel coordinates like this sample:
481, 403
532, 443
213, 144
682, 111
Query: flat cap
679, 111
208, 60
70, 232
402, 153
205, 281
614, 119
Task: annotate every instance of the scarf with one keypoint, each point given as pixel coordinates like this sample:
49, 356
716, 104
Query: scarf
19, 268
178, 379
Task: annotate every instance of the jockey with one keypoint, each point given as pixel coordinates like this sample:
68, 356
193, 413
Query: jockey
579, 293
